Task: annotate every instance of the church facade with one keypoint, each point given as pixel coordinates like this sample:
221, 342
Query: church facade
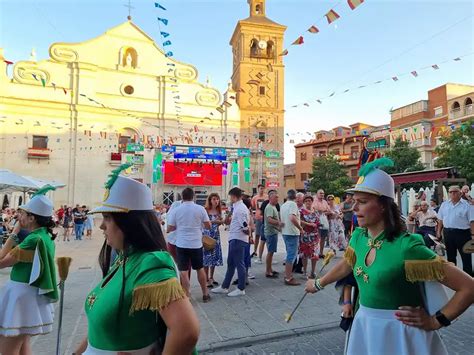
119, 98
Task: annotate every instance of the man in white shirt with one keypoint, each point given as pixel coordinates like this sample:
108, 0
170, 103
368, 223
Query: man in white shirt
187, 220
291, 231
456, 220
238, 241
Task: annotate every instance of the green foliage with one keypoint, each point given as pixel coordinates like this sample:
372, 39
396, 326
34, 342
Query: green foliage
329, 175
405, 158
457, 150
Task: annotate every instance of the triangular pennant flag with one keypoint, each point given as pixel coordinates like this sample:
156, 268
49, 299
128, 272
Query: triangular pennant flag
285, 52
165, 21
164, 34
313, 29
332, 16
43, 82
167, 43
435, 66
34, 76
159, 6
298, 41
354, 3
54, 85
347, 90
65, 91
394, 78
8, 62
457, 59
414, 73
169, 54
306, 104
319, 101
332, 94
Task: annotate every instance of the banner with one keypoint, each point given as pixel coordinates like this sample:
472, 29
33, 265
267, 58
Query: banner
157, 161
135, 147
235, 174
192, 174
168, 149
247, 174
219, 151
243, 152
195, 150
272, 154
134, 159
271, 164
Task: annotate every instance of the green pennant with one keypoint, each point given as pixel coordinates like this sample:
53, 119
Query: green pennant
235, 173
157, 161
43, 81
247, 176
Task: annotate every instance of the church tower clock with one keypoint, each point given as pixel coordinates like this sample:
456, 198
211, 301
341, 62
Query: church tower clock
258, 79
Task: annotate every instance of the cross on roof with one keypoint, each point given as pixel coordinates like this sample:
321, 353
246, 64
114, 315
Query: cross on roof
130, 7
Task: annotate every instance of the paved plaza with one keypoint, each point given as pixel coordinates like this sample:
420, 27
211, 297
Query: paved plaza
252, 324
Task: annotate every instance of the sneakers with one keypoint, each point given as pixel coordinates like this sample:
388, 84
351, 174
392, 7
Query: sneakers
220, 290
258, 261
236, 293
251, 276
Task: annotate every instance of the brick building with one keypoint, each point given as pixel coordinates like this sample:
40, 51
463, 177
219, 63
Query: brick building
423, 122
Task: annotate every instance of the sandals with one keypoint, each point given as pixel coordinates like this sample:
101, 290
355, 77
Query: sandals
292, 282
273, 275
206, 298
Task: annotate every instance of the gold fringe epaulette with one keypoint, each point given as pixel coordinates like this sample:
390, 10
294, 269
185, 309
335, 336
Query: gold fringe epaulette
425, 270
155, 297
350, 257
22, 255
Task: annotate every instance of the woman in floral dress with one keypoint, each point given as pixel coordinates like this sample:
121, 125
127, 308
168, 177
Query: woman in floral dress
213, 258
337, 239
309, 240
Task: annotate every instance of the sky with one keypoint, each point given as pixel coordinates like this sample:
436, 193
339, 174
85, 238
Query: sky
378, 40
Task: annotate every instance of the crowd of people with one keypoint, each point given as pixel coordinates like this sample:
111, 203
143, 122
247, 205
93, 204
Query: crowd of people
142, 303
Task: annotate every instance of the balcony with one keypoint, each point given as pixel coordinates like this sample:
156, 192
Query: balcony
461, 113
38, 153
421, 142
115, 158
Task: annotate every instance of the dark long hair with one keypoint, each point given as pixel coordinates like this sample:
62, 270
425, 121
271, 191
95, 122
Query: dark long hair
394, 224
46, 222
142, 232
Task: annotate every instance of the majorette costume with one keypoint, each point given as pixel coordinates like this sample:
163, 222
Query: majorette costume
133, 324
26, 299
395, 278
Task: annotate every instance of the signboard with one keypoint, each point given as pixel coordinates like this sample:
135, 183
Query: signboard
195, 150
273, 184
272, 154
377, 144
243, 152
168, 149
199, 156
271, 164
219, 151
135, 147
134, 159
343, 157
192, 174
271, 175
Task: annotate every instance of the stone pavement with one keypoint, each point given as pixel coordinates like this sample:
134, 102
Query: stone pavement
251, 324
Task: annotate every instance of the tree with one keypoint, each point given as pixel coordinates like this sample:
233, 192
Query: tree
329, 175
457, 150
405, 158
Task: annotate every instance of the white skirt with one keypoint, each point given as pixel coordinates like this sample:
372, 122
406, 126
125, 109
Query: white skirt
24, 311
145, 351
377, 331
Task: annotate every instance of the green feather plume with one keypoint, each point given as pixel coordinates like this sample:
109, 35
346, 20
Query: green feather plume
377, 163
44, 190
115, 174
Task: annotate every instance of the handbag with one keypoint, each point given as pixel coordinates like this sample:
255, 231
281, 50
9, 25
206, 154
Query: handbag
323, 220
208, 243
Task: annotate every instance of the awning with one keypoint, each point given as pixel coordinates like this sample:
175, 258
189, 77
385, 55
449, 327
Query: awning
421, 176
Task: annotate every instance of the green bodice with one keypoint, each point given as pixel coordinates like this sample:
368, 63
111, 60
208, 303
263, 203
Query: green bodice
151, 284
392, 279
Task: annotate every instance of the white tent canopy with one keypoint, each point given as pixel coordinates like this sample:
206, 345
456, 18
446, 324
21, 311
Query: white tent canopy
10, 182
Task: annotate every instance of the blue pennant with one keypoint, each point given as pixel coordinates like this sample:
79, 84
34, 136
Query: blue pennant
165, 34
169, 54
167, 43
165, 21
159, 6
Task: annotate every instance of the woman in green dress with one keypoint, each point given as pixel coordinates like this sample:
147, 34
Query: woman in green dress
139, 307
26, 300
394, 270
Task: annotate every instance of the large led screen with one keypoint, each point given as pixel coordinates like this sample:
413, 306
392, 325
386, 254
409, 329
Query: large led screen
192, 174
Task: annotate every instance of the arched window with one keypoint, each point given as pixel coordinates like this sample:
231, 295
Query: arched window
254, 50
468, 101
129, 58
258, 9
455, 106
270, 49
127, 135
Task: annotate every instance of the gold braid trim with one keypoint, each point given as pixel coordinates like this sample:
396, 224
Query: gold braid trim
22, 255
350, 257
156, 296
425, 270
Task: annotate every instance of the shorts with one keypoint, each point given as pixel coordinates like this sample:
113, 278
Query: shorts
186, 256
291, 243
323, 233
258, 228
272, 243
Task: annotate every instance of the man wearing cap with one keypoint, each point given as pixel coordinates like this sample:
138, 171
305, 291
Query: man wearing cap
456, 221
292, 229
188, 221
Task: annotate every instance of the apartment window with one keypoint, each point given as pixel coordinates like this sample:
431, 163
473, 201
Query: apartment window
354, 152
303, 156
261, 90
438, 111
336, 151
40, 142
304, 176
261, 136
354, 173
322, 153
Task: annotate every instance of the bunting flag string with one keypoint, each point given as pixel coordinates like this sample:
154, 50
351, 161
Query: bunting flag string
394, 78
330, 16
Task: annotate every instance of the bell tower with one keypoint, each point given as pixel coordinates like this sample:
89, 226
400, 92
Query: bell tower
258, 79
